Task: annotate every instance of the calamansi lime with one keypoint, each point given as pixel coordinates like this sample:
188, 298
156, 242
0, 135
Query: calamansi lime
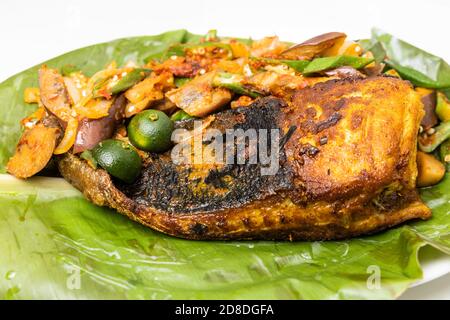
151, 130
118, 158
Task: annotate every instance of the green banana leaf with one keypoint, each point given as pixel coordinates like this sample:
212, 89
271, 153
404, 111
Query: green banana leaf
54, 244
414, 64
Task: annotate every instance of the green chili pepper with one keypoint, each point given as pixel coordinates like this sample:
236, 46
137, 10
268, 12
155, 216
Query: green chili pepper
126, 82
428, 144
233, 82
181, 115
322, 64
181, 48
129, 80
181, 81
297, 65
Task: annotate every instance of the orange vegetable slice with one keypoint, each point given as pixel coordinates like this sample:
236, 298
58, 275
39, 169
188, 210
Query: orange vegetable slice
33, 152
70, 135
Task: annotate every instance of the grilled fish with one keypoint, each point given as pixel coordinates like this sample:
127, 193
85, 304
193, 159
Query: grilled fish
346, 167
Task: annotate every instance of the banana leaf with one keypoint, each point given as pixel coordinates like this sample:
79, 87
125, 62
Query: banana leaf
54, 244
420, 67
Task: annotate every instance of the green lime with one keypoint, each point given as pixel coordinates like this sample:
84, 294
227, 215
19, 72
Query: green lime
118, 158
181, 115
151, 130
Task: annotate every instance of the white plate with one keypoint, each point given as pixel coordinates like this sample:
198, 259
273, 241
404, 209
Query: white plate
434, 263
436, 277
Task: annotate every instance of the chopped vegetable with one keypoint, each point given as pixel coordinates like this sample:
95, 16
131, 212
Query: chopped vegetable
297, 65
70, 134
94, 109
181, 115
322, 64
129, 80
144, 93
151, 87
179, 82
98, 85
428, 143
151, 130
443, 107
119, 82
119, 159
314, 46
209, 50
33, 152
430, 170
232, 66
205, 49
76, 85
92, 131
233, 82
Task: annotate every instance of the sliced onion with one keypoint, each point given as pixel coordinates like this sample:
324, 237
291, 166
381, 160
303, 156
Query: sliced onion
94, 109
70, 135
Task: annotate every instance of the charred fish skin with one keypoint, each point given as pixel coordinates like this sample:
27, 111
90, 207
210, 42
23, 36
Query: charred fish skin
200, 188
341, 176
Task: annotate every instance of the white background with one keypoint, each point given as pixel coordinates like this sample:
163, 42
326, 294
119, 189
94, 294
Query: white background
34, 31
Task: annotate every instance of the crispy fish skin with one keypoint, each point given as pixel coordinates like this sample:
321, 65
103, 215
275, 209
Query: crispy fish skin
349, 169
